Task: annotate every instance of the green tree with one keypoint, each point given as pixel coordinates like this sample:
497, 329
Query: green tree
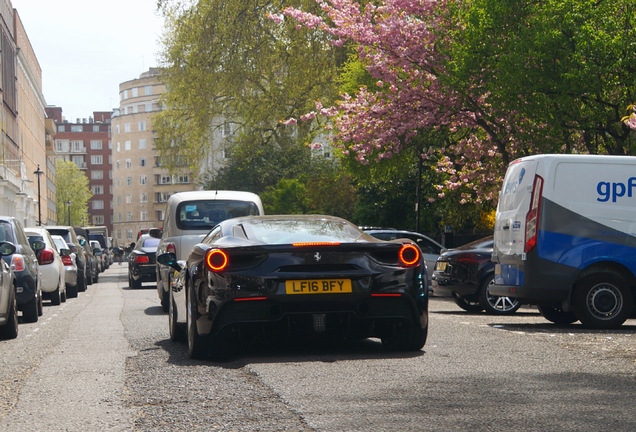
236, 61
73, 194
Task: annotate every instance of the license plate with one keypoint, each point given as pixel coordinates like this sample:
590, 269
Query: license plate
320, 286
441, 265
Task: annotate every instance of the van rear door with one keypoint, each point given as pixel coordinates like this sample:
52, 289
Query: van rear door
513, 207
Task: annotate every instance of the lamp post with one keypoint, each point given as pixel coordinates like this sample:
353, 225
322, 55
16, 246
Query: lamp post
38, 172
68, 204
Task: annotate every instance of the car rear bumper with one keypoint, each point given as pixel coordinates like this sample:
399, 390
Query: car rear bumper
144, 273
446, 286
359, 317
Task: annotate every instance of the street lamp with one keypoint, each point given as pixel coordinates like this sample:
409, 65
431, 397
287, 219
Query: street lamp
68, 204
38, 173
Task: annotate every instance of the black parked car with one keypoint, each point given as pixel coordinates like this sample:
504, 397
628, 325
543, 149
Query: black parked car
297, 276
465, 273
24, 264
142, 261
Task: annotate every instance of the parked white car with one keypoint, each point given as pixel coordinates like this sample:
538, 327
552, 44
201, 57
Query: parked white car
70, 265
189, 217
52, 272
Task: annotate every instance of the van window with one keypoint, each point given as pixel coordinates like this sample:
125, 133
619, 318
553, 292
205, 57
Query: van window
197, 215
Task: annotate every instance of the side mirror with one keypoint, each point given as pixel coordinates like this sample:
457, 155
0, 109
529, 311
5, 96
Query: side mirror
155, 232
38, 245
7, 248
82, 242
169, 259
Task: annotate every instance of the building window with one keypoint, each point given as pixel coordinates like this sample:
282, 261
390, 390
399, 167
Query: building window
79, 161
97, 174
142, 143
183, 179
98, 220
142, 162
98, 205
129, 231
97, 190
165, 179
141, 126
126, 127
143, 215
143, 197
135, 92
62, 146
117, 129
162, 197
118, 164
129, 218
148, 106
125, 95
60, 128
127, 145
97, 159
227, 129
76, 128
118, 146
77, 146
95, 128
159, 214
128, 181
119, 202
148, 90
128, 163
128, 199
143, 180
96, 144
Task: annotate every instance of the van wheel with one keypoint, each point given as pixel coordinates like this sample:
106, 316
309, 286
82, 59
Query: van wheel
472, 306
556, 315
602, 300
496, 305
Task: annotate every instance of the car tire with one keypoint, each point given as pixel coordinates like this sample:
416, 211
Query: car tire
71, 291
196, 348
405, 338
56, 297
135, 284
40, 305
496, 305
89, 279
165, 296
472, 306
81, 284
177, 331
556, 315
63, 295
96, 278
10, 329
30, 311
602, 300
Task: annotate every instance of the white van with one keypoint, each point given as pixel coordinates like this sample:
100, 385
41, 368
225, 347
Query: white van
565, 237
189, 216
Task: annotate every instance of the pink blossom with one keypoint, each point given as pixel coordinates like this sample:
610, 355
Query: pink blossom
290, 121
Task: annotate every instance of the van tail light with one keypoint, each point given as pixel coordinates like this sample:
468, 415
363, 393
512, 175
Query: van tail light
46, 256
17, 262
67, 260
532, 218
409, 255
170, 247
216, 260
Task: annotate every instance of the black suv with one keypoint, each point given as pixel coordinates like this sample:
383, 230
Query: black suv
24, 264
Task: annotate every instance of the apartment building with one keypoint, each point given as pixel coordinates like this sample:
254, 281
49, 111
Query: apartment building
141, 186
86, 142
22, 135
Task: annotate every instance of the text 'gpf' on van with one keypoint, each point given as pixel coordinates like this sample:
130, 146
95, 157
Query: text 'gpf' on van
565, 237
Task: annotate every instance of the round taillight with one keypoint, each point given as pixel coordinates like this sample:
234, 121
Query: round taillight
409, 255
216, 260
170, 247
46, 256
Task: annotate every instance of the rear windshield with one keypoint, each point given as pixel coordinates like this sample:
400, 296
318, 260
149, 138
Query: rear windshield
65, 234
205, 214
150, 242
292, 231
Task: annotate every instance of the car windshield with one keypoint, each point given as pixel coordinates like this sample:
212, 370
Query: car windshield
205, 214
284, 231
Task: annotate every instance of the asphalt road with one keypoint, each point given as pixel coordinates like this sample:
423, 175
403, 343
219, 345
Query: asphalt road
104, 362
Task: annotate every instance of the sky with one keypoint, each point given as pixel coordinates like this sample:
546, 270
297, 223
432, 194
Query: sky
86, 49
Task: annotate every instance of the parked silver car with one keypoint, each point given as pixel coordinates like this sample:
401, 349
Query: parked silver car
189, 217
